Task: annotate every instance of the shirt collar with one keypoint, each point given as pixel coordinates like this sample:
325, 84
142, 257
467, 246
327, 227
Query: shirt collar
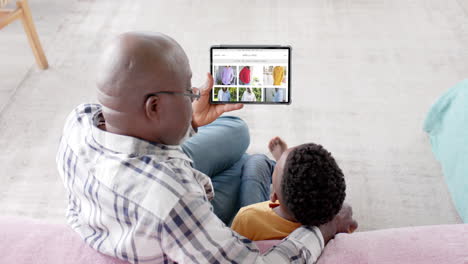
132, 145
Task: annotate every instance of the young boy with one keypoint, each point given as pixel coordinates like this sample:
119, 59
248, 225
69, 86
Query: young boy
308, 189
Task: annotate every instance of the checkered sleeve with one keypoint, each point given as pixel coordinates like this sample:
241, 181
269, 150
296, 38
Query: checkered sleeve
192, 233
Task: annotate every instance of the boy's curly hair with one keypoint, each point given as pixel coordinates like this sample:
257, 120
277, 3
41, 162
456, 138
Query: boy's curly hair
313, 186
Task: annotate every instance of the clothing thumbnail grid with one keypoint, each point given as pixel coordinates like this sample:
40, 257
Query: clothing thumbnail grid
250, 83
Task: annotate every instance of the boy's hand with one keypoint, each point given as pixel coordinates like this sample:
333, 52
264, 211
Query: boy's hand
204, 112
342, 223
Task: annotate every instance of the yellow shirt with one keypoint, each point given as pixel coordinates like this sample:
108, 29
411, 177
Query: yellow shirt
259, 222
278, 74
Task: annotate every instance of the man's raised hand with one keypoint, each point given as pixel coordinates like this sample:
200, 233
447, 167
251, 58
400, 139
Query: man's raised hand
204, 112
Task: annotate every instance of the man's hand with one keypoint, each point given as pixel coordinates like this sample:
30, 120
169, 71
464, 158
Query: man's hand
342, 223
204, 112
344, 220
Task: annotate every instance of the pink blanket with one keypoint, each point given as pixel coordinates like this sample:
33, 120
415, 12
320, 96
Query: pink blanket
24, 241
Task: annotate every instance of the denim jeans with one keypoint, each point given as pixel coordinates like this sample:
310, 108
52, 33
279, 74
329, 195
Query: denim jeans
239, 179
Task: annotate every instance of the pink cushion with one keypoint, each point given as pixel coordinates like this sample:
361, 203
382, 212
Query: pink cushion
24, 241
424, 244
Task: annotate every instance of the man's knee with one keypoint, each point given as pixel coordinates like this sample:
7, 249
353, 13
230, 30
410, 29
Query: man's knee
238, 127
235, 123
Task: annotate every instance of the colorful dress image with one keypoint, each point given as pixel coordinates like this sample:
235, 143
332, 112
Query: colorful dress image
244, 75
227, 76
278, 75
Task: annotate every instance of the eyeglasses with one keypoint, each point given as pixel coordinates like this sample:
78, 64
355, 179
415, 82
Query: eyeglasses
193, 96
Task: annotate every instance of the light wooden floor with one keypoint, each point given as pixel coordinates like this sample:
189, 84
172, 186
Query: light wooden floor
365, 74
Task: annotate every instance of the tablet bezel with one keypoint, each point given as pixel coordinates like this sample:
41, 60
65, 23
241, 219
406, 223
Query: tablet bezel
253, 47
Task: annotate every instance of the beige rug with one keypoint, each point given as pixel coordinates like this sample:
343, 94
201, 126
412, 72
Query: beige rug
364, 76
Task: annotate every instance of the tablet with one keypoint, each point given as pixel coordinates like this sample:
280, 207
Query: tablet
251, 74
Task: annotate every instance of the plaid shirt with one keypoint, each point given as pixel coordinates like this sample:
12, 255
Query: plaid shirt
144, 203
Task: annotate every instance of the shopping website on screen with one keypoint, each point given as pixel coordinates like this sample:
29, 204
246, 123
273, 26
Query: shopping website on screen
250, 75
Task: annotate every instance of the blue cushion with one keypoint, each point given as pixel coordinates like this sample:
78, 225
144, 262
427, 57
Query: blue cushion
447, 126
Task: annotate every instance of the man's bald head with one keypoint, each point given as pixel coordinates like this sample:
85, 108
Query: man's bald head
133, 66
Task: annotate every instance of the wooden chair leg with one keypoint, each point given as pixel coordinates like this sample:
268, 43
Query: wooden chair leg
33, 38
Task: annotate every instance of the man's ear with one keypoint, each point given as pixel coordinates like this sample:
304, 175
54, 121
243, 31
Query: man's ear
152, 107
273, 197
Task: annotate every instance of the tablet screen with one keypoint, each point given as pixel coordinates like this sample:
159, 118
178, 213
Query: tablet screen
251, 74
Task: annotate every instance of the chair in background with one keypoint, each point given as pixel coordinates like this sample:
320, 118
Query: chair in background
23, 12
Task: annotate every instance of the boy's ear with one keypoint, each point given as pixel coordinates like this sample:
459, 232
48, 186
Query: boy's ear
273, 197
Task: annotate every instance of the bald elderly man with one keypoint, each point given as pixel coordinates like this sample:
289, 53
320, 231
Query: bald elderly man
141, 167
